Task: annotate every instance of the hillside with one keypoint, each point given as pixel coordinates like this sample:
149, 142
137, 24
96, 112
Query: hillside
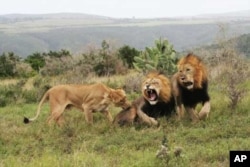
241, 42
26, 34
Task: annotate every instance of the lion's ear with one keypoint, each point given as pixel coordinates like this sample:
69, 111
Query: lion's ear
115, 95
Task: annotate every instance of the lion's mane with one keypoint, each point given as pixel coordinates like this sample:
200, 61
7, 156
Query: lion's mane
190, 87
144, 111
200, 75
165, 92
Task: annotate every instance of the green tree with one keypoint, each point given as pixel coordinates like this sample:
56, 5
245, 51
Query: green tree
162, 57
107, 61
58, 54
57, 62
36, 61
8, 63
127, 54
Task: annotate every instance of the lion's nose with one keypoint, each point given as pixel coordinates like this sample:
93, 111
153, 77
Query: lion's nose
182, 78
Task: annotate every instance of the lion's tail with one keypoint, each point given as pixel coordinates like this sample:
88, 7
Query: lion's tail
27, 120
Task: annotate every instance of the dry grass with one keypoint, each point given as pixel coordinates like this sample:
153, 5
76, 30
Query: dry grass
8, 82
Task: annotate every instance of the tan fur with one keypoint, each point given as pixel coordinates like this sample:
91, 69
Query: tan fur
162, 87
197, 69
160, 83
87, 98
129, 115
191, 77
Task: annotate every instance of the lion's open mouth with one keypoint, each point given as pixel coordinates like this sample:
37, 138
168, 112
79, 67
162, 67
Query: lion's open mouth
188, 85
151, 94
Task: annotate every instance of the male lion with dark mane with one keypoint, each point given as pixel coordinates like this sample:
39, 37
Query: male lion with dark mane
87, 98
156, 101
190, 86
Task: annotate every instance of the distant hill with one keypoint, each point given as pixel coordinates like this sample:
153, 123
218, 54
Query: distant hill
230, 15
241, 42
26, 34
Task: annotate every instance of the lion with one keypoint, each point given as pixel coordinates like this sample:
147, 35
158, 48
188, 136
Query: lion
190, 86
156, 101
86, 98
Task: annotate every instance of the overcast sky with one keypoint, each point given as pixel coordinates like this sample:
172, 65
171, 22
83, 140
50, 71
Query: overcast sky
124, 8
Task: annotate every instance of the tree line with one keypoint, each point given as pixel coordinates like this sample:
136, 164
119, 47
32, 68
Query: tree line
102, 62
224, 62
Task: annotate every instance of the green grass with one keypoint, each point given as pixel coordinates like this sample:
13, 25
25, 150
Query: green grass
206, 143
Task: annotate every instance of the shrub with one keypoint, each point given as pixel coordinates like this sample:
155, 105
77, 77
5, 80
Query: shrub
133, 83
24, 70
231, 70
8, 62
57, 62
108, 62
127, 54
11, 94
161, 58
235, 75
36, 61
103, 62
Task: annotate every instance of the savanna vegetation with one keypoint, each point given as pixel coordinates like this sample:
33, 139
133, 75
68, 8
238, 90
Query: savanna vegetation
206, 143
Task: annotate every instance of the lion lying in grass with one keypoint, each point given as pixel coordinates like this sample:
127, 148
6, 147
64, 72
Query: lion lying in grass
156, 101
87, 98
190, 85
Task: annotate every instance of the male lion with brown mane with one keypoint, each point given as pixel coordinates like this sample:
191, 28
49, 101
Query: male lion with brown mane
87, 98
156, 101
190, 86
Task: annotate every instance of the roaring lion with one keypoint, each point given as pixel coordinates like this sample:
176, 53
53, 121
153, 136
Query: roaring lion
87, 98
190, 86
156, 101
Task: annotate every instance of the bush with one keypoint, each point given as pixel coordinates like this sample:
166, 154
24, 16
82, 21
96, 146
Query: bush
133, 83
17, 94
57, 63
160, 58
108, 62
36, 61
11, 94
102, 62
231, 70
235, 75
127, 54
8, 62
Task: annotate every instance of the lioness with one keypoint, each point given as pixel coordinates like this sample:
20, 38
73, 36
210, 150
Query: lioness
87, 98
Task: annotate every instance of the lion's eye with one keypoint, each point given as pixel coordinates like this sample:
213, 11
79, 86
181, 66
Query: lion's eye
122, 100
180, 71
188, 69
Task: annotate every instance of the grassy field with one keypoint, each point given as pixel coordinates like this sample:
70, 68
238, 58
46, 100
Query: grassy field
206, 143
